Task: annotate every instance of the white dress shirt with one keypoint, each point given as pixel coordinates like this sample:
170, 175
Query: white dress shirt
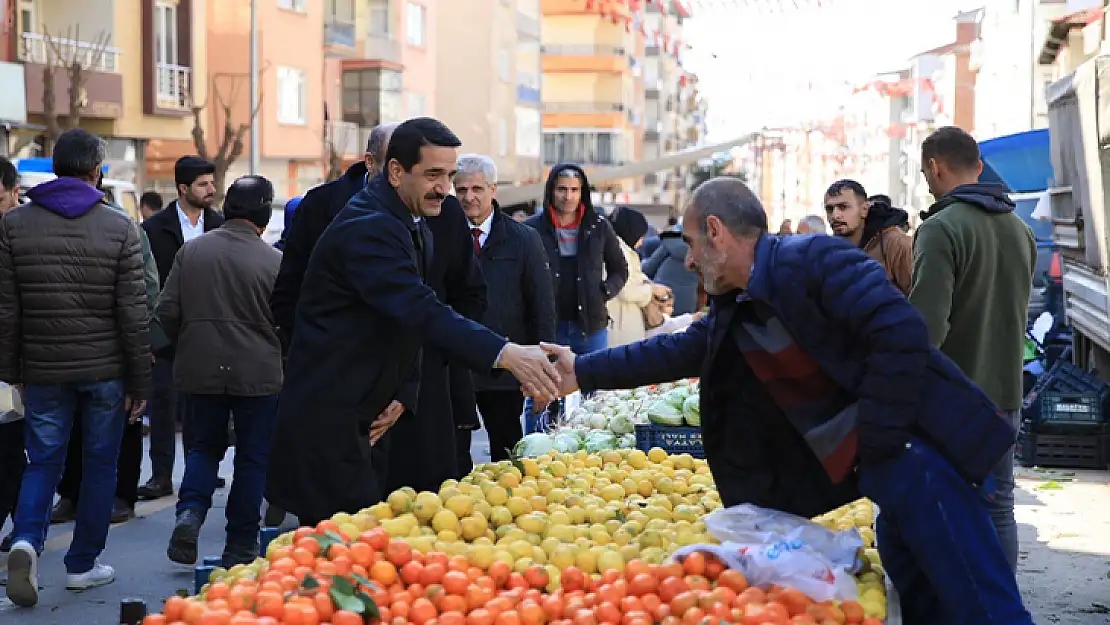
188, 230
486, 227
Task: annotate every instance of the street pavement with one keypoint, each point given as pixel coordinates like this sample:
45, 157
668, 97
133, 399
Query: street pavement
137, 551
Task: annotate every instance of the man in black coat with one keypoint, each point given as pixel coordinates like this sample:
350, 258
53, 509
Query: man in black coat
364, 315
189, 216
313, 215
522, 304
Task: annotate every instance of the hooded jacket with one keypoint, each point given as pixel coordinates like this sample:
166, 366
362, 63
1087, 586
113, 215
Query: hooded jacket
973, 262
599, 268
884, 240
72, 296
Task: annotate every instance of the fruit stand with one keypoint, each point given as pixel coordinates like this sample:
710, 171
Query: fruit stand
574, 537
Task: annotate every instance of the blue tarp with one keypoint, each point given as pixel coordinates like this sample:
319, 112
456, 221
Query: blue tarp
1021, 161
41, 165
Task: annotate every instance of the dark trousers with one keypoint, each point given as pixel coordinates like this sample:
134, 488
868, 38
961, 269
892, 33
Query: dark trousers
254, 419
501, 412
937, 543
128, 466
165, 410
13, 460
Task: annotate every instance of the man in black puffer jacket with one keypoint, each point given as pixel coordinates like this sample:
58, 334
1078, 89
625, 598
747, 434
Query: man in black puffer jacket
74, 333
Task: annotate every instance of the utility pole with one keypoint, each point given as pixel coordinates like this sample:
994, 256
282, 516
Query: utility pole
254, 88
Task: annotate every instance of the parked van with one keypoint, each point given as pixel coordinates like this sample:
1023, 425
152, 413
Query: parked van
35, 171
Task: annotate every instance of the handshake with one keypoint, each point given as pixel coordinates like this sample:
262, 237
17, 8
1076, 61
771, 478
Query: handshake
545, 371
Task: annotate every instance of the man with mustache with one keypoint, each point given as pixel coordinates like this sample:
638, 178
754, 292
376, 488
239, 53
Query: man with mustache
364, 316
819, 384
188, 217
874, 227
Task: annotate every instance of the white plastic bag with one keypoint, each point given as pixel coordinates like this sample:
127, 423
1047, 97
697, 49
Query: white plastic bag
786, 564
751, 525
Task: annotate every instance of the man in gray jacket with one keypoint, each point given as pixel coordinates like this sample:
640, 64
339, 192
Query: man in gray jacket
215, 307
74, 333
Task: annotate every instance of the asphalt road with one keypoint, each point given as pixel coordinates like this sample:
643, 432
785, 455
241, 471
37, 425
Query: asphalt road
137, 551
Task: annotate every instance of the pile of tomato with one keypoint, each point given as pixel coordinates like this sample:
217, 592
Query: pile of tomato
325, 577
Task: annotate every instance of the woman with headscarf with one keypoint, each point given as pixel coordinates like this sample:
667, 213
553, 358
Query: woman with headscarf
626, 310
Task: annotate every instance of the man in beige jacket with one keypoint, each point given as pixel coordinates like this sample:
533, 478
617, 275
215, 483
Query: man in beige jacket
873, 226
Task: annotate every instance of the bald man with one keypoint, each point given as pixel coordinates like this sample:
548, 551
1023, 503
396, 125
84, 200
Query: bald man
817, 373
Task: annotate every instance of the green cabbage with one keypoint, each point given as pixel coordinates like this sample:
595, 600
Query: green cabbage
691, 411
677, 397
621, 424
566, 442
662, 412
535, 444
627, 441
600, 440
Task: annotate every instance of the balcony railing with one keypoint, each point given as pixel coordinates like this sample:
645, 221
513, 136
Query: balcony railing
528, 26
651, 93
173, 86
583, 50
582, 107
383, 48
339, 34
36, 49
651, 136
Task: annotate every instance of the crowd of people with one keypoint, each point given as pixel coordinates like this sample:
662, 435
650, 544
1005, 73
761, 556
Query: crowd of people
403, 309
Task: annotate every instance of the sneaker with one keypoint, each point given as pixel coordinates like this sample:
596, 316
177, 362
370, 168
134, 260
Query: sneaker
238, 554
121, 512
155, 488
64, 511
98, 575
183, 542
274, 516
23, 574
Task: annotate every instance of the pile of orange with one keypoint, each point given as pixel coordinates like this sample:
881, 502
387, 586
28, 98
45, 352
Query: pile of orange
326, 577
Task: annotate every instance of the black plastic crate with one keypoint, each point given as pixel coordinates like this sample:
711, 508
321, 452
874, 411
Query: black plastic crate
676, 439
1067, 396
1064, 451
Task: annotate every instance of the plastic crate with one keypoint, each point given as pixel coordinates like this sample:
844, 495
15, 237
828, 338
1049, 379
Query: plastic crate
1064, 451
1067, 396
671, 439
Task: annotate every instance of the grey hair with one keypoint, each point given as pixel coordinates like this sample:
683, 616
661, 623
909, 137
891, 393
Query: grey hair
379, 140
731, 201
478, 164
78, 154
815, 223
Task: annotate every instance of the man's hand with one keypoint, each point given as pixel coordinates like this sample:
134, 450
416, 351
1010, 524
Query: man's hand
568, 383
660, 291
387, 419
538, 376
134, 408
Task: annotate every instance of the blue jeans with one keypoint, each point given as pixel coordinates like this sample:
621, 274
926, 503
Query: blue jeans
254, 420
570, 334
1000, 504
938, 545
50, 414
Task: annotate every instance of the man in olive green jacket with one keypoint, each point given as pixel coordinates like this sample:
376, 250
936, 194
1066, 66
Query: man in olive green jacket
129, 465
973, 262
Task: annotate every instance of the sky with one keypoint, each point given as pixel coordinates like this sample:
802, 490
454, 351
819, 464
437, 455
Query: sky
759, 67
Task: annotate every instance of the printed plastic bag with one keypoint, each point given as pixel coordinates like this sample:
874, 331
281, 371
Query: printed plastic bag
746, 524
789, 564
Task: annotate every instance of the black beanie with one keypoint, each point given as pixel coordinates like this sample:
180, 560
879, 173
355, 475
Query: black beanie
629, 224
250, 198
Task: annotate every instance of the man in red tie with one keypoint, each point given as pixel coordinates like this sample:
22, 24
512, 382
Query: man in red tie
520, 295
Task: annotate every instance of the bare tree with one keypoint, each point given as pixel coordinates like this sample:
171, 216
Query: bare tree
334, 148
231, 134
76, 63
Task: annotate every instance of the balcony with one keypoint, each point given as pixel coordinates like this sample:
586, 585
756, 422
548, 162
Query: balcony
338, 33
582, 107
173, 86
651, 93
102, 94
651, 179
585, 58
528, 27
526, 94
382, 48
36, 49
651, 136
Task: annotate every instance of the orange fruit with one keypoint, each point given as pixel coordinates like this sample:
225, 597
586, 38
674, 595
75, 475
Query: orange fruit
422, 611
450, 618
694, 564
155, 619
480, 616
398, 553
174, 608
537, 576
455, 582
433, 573
377, 538
500, 572
344, 617
384, 573
853, 612
411, 571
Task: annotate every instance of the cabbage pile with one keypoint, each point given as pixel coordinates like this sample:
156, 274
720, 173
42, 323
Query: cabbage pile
570, 440
620, 411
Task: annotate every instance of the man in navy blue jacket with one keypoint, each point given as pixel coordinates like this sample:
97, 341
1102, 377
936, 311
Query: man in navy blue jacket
819, 384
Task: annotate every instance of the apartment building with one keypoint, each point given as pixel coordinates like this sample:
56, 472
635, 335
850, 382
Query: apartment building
141, 58
488, 81
664, 121
593, 89
291, 108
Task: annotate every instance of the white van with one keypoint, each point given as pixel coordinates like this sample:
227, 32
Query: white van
118, 192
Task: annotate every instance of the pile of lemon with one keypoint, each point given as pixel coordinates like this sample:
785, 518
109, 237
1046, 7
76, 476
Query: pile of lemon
860, 515
593, 511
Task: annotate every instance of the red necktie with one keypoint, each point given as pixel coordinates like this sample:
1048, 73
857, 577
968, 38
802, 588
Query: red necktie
477, 233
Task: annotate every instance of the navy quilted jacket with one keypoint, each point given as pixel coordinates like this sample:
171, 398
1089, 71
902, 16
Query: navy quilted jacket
839, 306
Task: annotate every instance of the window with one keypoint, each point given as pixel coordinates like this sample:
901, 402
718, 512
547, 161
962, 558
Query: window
372, 97
529, 130
502, 137
380, 19
341, 11
26, 16
587, 148
414, 24
416, 105
505, 64
165, 33
291, 96
292, 5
